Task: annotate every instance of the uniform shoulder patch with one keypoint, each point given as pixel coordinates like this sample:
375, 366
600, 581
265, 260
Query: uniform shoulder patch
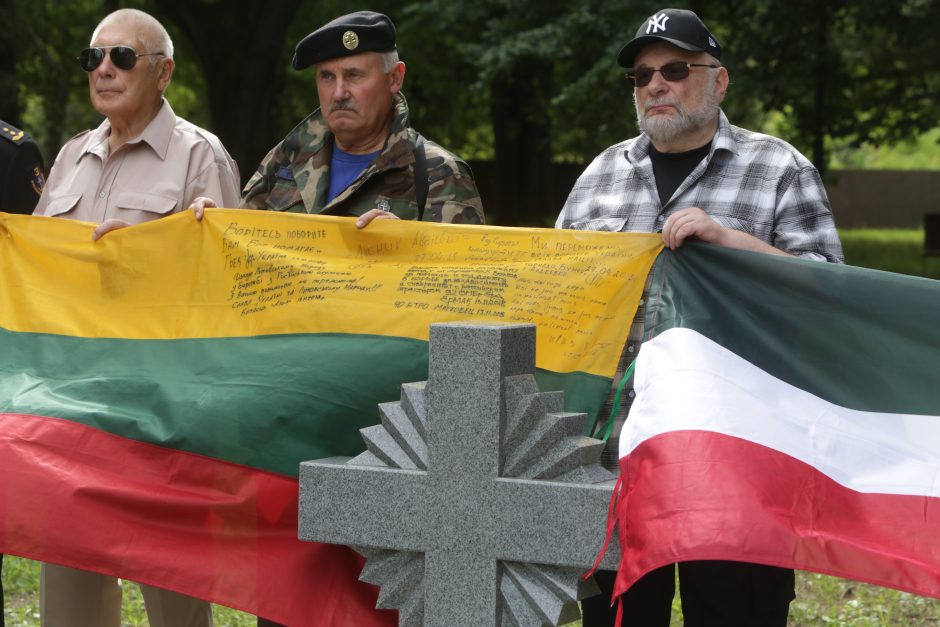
12, 134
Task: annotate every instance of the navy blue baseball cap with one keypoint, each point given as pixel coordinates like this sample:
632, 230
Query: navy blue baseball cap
678, 27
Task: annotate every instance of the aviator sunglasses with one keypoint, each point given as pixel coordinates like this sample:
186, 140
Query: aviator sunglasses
675, 71
123, 57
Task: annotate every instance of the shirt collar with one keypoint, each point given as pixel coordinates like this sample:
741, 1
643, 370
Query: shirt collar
157, 135
723, 140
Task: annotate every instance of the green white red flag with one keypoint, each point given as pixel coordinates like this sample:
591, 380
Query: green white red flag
786, 413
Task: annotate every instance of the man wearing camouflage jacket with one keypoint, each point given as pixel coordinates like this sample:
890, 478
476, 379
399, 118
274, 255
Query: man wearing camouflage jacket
357, 155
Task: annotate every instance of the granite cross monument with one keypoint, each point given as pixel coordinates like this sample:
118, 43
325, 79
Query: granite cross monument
478, 501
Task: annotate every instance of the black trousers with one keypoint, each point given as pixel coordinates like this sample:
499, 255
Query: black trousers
713, 594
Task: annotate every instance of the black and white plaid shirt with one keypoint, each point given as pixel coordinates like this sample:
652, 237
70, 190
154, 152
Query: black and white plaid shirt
749, 182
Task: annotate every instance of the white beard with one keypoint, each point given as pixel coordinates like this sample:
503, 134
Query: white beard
664, 129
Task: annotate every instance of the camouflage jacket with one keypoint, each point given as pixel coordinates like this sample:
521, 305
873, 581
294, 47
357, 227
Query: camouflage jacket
295, 177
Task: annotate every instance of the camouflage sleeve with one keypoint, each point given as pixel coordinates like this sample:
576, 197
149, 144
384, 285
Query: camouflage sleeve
452, 192
256, 189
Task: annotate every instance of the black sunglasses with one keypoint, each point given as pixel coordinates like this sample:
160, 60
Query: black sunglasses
676, 71
123, 57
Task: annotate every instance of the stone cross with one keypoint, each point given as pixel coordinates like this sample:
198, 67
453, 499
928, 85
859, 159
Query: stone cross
477, 502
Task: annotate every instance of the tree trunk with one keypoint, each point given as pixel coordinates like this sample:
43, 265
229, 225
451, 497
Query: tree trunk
522, 138
823, 17
243, 81
9, 85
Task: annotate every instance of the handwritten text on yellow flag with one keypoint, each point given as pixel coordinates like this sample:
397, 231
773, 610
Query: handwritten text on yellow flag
243, 273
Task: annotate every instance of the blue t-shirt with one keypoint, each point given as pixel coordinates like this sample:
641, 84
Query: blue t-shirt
344, 168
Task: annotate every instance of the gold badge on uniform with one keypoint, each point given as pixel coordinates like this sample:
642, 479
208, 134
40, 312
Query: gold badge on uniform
350, 40
38, 181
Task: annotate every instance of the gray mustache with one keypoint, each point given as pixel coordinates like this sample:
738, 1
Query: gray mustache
342, 105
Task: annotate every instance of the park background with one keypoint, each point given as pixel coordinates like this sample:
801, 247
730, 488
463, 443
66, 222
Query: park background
528, 91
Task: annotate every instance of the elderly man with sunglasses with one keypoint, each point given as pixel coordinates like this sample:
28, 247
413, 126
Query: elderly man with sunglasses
692, 175
143, 162
140, 164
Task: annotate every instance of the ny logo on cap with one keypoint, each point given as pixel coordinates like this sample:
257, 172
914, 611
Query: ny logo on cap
657, 23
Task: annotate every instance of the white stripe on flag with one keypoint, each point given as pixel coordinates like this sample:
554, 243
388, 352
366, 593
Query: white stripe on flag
685, 381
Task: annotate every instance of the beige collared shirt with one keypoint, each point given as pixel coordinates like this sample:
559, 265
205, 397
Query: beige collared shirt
158, 173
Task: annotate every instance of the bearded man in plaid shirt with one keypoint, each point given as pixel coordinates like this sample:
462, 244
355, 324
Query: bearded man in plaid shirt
692, 175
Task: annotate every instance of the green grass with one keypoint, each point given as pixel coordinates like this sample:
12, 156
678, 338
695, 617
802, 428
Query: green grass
820, 600
21, 607
892, 250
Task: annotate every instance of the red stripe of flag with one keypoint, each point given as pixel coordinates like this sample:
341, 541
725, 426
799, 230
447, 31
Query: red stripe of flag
692, 495
82, 497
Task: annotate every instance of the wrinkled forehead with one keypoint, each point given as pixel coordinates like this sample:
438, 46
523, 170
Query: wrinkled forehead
363, 61
658, 53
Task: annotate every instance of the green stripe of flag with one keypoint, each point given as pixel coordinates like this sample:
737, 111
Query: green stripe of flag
267, 402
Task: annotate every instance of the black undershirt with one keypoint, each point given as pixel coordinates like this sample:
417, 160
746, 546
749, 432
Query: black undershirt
671, 168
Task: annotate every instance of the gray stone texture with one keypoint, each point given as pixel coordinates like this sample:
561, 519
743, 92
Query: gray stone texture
478, 501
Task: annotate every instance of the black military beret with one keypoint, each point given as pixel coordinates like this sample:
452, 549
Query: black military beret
21, 170
362, 31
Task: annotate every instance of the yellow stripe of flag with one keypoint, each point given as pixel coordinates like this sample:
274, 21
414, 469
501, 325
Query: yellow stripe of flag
243, 273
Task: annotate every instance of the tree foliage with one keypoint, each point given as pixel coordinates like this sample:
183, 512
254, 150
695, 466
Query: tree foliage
864, 72
49, 82
523, 82
242, 62
537, 80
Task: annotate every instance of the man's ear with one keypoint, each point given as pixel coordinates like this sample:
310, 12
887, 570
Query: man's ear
166, 73
396, 77
722, 81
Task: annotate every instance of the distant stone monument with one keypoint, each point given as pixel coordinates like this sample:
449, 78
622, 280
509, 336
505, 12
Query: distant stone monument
477, 502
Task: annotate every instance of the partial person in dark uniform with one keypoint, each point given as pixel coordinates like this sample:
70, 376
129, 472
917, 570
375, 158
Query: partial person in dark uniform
21, 181
21, 170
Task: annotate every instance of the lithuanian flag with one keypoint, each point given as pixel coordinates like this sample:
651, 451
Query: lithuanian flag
159, 387
787, 413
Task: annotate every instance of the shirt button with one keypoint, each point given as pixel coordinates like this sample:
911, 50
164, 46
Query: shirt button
102, 195
631, 348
